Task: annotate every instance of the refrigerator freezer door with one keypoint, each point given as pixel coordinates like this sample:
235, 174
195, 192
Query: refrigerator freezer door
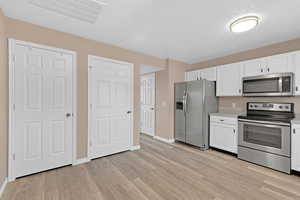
180, 90
194, 113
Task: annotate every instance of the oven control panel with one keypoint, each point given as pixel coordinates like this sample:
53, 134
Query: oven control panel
280, 107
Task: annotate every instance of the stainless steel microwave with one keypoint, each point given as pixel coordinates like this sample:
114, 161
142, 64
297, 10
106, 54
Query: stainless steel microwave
269, 85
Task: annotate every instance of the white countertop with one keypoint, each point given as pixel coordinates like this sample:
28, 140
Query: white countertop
228, 113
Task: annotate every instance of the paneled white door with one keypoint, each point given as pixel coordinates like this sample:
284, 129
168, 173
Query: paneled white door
41, 98
148, 104
111, 106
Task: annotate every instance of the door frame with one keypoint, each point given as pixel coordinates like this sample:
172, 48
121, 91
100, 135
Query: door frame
90, 58
11, 66
154, 120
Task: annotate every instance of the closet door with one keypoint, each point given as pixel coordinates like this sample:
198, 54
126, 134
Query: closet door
111, 106
42, 109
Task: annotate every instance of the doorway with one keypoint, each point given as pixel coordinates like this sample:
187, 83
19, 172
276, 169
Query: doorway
148, 104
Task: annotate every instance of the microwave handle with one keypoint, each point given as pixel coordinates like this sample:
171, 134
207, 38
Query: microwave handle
280, 84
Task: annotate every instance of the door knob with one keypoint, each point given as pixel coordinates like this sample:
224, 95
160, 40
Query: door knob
68, 115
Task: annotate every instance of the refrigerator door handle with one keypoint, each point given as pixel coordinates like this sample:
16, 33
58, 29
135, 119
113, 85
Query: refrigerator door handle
185, 103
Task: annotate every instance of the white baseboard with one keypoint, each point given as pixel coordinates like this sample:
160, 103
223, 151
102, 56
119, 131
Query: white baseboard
2, 188
81, 161
148, 134
164, 139
134, 148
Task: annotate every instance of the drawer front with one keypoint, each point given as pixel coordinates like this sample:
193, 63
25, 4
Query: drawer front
223, 120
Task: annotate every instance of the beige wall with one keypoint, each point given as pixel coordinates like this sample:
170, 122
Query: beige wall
165, 97
239, 103
28, 32
3, 99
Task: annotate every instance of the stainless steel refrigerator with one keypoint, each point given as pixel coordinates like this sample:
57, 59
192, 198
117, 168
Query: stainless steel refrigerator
194, 101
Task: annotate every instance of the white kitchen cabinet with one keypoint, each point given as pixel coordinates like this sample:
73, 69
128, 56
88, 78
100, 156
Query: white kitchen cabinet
295, 62
268, 65
223, 133
253, 67
193, 75
277, 64
209, 74
229, 80
295, 147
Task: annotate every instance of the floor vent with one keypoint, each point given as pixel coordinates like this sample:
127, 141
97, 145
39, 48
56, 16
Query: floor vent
84, 10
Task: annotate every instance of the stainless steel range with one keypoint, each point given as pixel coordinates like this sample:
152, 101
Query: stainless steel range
265, 135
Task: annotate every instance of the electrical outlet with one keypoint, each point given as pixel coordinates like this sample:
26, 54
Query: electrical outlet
234, 105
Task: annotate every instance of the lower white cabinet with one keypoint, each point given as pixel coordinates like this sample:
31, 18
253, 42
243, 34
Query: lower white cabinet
223, 133
295, 147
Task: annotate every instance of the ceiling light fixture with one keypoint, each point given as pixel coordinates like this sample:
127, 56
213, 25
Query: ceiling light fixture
100, 2
244, 24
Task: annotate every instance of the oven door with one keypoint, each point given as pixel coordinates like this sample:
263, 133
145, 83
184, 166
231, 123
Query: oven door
269, 85
268, 137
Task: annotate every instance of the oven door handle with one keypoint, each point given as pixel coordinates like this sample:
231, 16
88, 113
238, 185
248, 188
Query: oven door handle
265, 124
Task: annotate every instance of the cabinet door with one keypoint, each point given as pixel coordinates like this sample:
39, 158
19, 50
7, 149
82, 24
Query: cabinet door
254, 67
229, 81
209, 74
277, 64
296, 147
223, 136
295, 62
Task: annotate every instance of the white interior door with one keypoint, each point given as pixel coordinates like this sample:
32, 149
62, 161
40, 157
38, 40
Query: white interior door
148, 104
111, 106
41, 94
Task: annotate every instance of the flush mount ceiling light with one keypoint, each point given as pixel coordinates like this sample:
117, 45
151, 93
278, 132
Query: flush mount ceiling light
244, 24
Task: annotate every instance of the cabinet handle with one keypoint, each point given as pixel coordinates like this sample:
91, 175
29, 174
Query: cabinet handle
261, 70
268, 69
296, 88
294, 131
233, 130
240, 91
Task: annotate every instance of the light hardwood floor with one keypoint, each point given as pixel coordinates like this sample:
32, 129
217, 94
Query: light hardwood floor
158, 171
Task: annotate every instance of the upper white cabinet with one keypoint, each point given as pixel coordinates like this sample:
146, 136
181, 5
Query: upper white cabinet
193, 75
277, 64
229, 80
268, 65
208, 74
253, 67
295, 62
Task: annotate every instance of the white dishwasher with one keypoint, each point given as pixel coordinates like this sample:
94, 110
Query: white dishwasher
223, 132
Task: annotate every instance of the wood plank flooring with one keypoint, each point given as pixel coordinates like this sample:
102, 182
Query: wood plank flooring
158, 172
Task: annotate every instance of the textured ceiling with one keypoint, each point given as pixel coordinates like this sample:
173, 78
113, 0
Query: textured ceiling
190, 30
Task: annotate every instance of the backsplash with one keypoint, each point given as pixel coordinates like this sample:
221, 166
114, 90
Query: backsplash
239, 103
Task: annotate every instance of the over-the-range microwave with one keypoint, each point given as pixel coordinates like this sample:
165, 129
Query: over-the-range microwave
269, 85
